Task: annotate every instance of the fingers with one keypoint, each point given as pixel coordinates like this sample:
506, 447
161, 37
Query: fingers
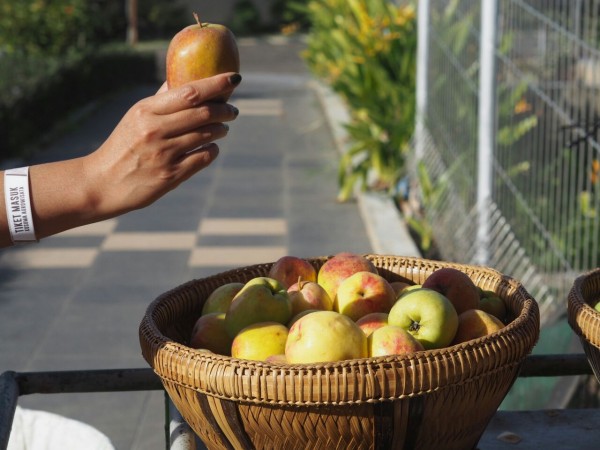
194, 94
196, 139
196, 160
191, 119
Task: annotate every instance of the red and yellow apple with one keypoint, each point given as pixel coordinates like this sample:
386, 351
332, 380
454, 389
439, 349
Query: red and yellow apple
427, 315
306, 295
220, 299
325, 336
475, 323
200, 51
289, 269
456, 286
392, 340
362, 293
370, 322
260, 341
209, 333
339, 267
262, 299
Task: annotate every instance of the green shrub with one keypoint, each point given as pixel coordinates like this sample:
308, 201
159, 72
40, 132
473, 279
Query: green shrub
366, 51
52, 88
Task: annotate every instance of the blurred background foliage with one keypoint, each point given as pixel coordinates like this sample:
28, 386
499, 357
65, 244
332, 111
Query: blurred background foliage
365, 50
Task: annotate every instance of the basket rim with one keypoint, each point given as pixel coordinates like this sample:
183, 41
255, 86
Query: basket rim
583, 319
512, 335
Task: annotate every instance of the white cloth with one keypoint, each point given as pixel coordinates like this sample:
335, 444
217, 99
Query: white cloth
40, 430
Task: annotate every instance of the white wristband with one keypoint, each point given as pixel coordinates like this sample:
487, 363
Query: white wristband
18, 205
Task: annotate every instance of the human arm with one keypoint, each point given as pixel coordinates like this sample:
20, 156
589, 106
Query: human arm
160, 142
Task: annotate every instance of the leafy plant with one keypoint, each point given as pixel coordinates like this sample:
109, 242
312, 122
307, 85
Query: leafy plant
366, 51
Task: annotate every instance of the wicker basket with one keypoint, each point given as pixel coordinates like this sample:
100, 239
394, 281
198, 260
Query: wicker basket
583, 318
429, 400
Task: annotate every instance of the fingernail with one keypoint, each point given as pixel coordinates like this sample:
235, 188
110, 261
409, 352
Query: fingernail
235, 111
235, 79
226, 127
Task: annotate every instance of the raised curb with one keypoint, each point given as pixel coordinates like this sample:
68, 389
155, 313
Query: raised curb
386, 228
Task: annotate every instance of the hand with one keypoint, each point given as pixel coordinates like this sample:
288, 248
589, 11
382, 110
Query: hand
160, 142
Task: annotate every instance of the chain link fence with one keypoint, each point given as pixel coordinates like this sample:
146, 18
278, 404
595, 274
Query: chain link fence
508, 102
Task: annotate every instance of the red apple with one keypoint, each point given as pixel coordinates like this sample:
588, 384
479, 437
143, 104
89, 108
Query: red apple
392, 340
363, 293
372, 321
456, 286
306, 295
289, 269
209, 333
339, 267
475, 323
200, 51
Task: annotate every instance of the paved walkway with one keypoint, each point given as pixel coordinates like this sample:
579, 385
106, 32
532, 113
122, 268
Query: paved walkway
74, 301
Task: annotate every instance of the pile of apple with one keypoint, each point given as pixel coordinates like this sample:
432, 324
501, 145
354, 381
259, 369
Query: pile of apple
345, 310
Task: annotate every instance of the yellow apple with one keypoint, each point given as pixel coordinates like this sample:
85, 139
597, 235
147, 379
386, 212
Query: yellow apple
259, 341
475, 323
363, 293
392, 340
325, 336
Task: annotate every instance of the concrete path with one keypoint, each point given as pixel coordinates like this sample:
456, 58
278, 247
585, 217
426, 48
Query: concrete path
74, 301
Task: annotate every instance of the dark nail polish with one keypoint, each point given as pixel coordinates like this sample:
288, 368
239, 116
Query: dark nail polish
235, 79
226, 127
235, 111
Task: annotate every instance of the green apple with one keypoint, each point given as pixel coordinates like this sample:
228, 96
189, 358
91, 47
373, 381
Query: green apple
597, 306
220, 299
363, 293
209, 333
428, 315
262, 299
491, 303
392, 340
260, 341
289, 269
325, 336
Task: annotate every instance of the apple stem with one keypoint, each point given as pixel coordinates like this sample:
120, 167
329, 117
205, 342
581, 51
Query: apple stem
300, 283
197, 18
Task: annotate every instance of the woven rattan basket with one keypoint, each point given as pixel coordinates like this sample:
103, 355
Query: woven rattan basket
436, 399
583, 318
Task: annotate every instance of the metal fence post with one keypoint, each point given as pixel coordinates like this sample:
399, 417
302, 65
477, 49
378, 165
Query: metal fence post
422, 75
486, 125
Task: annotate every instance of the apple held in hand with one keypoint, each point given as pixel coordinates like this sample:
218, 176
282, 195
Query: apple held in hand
456, 286
288, 269
325, 336
260, 341
392, 340
339, 267
262, 299
427, 315
363, 293
209, 333
220, 299
475, 323
200, 51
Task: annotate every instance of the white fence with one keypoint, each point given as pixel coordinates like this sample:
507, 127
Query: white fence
508, 102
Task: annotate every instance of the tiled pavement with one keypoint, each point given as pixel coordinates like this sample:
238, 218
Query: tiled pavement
74, 301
